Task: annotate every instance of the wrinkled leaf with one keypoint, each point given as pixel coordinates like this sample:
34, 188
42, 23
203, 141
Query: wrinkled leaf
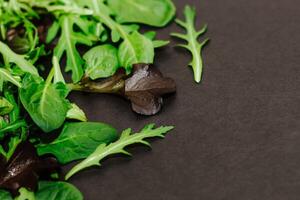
145, 89
24, 168
78, 140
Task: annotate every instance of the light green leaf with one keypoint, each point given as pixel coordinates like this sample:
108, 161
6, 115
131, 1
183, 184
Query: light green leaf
67, 43
76, 113
78, 140
151, 12
192, 38
19, 60
135, 49
117, 147
45, 102
6, 75
57, 191
25, 195
101, 61
5, 106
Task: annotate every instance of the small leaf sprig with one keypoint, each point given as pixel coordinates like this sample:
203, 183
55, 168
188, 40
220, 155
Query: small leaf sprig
191, 37
126, 139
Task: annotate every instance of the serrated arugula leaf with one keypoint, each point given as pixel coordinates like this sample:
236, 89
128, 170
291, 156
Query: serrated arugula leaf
17, 59
68, 40
57, 191
126, 139
101, 61
78, 140
191, 37
45, 102
151, 12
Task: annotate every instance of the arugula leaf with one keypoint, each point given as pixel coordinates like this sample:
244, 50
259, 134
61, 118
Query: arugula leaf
67, 43
19, 60
78, 140
192, 38
117, 147
57, 191
151, 12
101, 61
135, 49
45, 102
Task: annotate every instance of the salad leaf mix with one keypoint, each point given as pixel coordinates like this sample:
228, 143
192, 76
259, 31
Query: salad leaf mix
100, 45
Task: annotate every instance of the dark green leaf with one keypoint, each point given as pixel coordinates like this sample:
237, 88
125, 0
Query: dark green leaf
45, 102
78, 140
151, 12
57, 191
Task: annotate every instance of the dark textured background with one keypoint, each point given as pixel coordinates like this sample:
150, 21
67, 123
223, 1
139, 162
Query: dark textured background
237, 134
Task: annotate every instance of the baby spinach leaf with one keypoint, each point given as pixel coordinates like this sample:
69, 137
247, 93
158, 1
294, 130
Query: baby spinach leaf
126, 139
151, 12
135, 49
101, 61
45, 102
191, 37
78, 140
57, 191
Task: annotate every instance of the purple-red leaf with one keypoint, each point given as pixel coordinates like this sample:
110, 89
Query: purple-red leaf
24, 169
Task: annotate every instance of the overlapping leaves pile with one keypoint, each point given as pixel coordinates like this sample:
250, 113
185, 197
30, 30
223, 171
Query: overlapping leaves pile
104, 52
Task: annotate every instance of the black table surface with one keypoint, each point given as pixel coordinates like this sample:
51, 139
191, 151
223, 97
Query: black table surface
237, 134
